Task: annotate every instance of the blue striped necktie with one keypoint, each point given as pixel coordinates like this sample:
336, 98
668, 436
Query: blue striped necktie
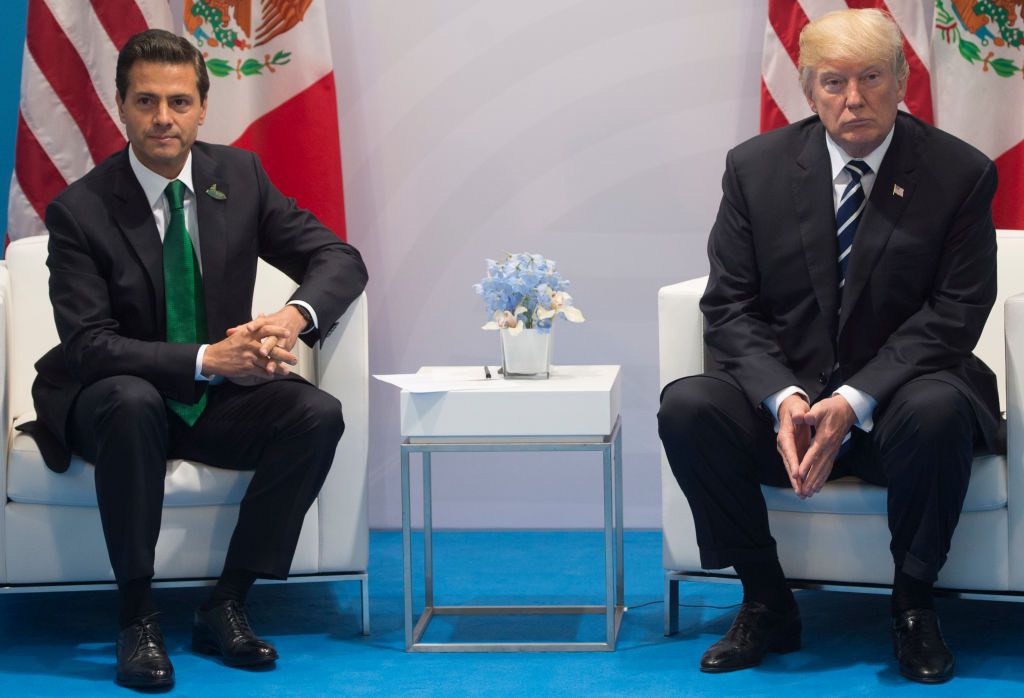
851, 207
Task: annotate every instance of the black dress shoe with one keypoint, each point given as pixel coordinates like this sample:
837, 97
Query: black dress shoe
141, 656
920, 649
756, 631
224, 630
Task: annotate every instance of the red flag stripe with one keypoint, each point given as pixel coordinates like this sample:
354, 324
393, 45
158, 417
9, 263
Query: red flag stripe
120, 19
39, 178
66, 72
1007, 212
919, 87
787, 18
771, 116
314, 182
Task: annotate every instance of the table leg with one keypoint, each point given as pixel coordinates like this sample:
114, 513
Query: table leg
428, 534
609, 548
406, 548
620, 592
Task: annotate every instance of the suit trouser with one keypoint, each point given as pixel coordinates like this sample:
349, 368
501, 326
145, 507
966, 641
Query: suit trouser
284, 430
721, 449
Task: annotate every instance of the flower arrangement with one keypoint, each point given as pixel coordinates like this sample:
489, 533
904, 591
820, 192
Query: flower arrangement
525, 291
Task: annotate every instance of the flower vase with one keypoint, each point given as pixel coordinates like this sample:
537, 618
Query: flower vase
525, 354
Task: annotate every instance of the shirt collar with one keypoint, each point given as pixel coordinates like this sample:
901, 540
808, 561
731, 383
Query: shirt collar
839, 157
154, 184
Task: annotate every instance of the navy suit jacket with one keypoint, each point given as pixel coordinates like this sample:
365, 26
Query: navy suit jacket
920, 284
107, 283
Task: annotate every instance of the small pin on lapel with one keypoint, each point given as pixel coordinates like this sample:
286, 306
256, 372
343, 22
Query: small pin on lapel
214, 193
897, 190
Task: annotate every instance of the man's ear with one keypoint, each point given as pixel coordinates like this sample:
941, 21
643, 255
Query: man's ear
120, 105
202, 110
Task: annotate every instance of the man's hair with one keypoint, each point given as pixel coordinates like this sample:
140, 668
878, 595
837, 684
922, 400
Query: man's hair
159, 46
851, 35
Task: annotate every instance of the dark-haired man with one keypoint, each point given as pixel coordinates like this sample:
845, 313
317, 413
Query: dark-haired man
152, 259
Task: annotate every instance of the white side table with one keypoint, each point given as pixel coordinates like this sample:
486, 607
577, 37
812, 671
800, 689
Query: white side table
515, 415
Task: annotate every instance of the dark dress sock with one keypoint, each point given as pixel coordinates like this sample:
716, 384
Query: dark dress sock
909, 593
136, 600
766, 582
233, 585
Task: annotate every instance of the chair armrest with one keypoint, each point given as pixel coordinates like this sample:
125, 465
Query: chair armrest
5, 412
343, 370
680, 330
1014, 324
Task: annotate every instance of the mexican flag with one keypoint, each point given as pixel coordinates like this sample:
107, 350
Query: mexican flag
978, 83
272, 91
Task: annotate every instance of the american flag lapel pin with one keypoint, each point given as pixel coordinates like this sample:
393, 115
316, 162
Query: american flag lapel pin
897, 190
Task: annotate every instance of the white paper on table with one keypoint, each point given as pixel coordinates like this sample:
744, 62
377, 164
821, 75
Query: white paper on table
427, 382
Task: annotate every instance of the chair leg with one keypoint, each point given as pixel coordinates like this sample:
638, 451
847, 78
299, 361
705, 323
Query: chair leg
364, 588
671, 605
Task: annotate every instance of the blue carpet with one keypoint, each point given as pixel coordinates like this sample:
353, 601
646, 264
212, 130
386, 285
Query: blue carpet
62, 643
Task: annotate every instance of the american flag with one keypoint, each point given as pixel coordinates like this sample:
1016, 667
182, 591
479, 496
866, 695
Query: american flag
67, 121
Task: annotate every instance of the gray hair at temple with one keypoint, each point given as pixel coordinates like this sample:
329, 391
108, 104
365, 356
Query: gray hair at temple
851, 36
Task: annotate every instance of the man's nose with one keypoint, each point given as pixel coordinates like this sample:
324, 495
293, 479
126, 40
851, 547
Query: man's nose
162, 115
853, 96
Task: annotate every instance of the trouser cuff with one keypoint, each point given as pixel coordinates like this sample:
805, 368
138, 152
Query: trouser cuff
916, 568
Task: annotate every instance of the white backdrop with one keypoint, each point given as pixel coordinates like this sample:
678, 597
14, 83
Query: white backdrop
591, 131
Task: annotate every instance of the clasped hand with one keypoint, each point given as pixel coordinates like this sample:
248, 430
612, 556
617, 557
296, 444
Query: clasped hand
258, 350
809, 439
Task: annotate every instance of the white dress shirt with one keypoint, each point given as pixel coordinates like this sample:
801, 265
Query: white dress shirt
153, 186
862, 404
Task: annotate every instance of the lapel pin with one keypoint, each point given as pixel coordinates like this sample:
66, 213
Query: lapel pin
897, 190
214, 193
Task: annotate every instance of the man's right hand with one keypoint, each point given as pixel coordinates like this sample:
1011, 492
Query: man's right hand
794, 437
237, 357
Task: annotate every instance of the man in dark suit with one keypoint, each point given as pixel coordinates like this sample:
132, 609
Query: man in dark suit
852, 270
152, 259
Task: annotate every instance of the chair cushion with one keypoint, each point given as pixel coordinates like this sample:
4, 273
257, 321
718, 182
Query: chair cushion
188, 484
848, 495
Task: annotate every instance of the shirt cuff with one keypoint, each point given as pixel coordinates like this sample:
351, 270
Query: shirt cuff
312, 314
199, 364
863, 406
772, 402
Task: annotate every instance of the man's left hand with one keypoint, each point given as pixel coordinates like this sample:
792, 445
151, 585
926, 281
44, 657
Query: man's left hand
832, 419
290, 317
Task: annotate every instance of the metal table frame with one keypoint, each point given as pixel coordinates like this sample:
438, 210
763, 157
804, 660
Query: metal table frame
611, 448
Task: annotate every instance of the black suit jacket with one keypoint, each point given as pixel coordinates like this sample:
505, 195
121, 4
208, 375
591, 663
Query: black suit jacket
107, 283
920, 285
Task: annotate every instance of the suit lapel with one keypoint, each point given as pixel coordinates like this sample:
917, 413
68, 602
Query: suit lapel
212, 216
812, 191
135, 218
890, 194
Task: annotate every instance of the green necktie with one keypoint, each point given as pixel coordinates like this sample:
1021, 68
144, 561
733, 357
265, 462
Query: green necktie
183, 291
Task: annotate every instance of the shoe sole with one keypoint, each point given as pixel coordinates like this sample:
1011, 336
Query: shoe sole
925, 679
139, 683
211, 649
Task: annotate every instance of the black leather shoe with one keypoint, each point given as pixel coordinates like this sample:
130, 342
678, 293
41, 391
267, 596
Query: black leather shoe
756, 631
224, 630
142, 660
920, 649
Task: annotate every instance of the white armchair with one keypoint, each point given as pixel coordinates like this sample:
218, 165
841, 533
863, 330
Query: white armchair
839, 539
50, 530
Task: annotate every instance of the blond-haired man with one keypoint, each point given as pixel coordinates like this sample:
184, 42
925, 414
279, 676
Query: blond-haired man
852, 270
